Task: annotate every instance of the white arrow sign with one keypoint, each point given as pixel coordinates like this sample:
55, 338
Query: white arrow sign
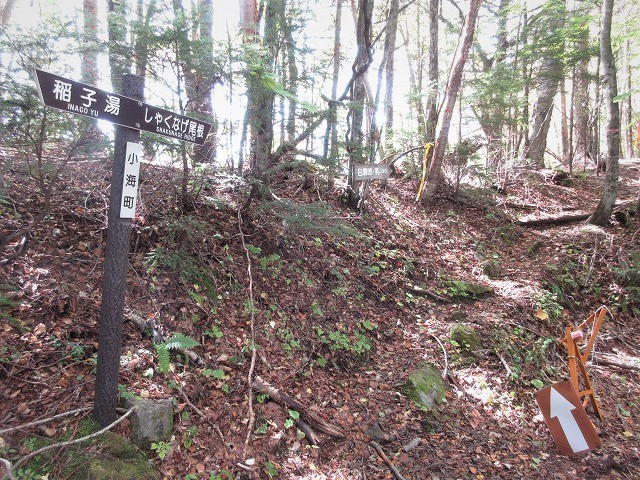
562, 408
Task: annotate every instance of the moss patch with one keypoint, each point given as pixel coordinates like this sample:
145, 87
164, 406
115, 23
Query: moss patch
426, 388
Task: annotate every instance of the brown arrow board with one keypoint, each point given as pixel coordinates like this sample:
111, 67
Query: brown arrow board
567, 420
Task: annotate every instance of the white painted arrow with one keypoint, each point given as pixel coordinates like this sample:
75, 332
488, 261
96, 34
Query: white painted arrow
561, 407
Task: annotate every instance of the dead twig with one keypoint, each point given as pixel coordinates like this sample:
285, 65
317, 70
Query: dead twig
446, 359
253, 346
69, 443
45, 420
376, 446
204, 417
7, 464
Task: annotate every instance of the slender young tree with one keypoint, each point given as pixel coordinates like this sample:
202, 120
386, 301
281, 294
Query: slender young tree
602, 213
453, 87
434, 74
89, 55
117, 26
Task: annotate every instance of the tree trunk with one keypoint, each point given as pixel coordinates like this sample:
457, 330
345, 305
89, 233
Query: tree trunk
432, 97
390, 47
549, 77
580, 102
89, 55
603, 211
627, 105
355, 135
143, 36
453, 87
6, 11
117, 33
331, 155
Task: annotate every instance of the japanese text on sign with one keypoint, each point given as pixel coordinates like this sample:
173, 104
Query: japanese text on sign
81, 99
372, 171
130, 182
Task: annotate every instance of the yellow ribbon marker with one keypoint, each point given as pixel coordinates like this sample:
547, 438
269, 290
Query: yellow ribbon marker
428, 147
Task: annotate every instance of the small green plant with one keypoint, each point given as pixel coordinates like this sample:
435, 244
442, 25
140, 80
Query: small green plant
548, 303
125, 394
271, 469
162, 449
177, 342
219, 476
214, 332
288, 342
316, 310
189, 436
293, 416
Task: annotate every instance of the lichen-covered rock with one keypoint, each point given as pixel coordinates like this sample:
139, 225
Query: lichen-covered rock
426, 388
111, 457
151, 422
466, 337
492, 268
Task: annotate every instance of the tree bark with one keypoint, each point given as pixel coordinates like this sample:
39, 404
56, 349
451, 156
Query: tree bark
355, 135
6, 11
580, 102
549, 77
434, 75
390, 47
453, 87
602, 213
89, 56
331, 137
117, 33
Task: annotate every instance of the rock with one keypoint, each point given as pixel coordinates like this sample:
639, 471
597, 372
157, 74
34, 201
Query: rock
151, 422
492, 268
376, 434
426, 388
459, 316
113, 458
466, 337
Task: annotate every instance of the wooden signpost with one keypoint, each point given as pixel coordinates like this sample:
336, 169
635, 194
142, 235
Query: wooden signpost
130, 115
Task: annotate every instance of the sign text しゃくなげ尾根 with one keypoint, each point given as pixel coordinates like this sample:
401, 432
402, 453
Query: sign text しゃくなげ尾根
75, 97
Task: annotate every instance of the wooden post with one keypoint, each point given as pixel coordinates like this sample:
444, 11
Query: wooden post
115, 272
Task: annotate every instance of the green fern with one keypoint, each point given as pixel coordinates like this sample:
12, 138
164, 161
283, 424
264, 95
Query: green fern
164, 360
180, 342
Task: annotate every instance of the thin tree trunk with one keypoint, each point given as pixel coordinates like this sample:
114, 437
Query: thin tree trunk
117, 33
603, 211
331, 156
453, 87
432, 97
390, 47
564, 127
89, 56
580, 104
628, 118
6, 11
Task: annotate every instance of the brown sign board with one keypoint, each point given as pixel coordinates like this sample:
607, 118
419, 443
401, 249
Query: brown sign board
372, 171
86, 100
567, 420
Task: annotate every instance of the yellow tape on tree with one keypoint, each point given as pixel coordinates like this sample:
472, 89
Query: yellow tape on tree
428, 147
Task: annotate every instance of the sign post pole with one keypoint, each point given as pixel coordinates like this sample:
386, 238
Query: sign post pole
115, 271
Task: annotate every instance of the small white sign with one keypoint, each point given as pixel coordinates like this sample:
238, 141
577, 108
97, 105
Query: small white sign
133, 155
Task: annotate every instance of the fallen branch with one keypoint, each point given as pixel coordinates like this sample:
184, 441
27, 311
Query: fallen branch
626, 363
376, 446
446, 360
261, 386
558, 220
45, 420
7, 464
309, 434
69, 443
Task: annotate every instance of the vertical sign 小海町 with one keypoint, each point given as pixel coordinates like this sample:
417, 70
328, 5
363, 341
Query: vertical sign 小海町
133, 155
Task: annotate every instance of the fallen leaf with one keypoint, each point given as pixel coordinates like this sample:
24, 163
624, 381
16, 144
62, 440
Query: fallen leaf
541, 314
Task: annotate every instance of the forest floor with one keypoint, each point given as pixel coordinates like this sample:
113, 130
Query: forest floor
345, 305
